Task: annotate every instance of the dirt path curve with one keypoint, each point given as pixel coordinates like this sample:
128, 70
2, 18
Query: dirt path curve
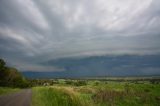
22, 98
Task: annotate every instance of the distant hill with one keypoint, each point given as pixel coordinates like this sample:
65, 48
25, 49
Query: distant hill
122, 65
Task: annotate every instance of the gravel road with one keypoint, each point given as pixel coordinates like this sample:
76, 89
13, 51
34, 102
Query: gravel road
21, 98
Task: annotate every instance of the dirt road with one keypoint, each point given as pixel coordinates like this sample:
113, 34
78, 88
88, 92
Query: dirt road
22, 98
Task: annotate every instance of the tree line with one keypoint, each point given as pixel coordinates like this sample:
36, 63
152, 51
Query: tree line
10, 77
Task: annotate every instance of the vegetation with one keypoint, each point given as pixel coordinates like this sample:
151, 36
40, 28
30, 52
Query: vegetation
6, 90
47, 96
97, 93
83, 92
10, 77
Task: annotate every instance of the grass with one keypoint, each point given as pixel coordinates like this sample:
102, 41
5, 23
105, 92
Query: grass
47, 96
98, 93
6, 90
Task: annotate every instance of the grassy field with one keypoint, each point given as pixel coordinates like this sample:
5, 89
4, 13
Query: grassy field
97, 93
6, 90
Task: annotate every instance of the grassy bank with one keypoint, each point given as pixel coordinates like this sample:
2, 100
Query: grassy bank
7, 90
47, 96
98, 94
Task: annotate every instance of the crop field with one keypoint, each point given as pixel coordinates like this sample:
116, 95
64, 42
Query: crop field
97, 93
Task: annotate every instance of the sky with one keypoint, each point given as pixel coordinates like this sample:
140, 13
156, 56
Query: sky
37, 31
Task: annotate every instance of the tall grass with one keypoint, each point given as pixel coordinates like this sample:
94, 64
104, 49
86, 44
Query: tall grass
101, 94
129, 96
6, 90
53, 97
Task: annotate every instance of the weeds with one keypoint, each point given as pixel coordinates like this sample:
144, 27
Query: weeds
110, 94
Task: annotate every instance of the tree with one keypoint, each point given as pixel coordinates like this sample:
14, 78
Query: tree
11, 77
3, 68
2, 64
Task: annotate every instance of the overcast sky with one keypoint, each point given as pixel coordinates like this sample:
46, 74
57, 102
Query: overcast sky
34, 31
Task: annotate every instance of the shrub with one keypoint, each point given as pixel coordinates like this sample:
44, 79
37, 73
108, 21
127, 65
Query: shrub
69, 82
80, 83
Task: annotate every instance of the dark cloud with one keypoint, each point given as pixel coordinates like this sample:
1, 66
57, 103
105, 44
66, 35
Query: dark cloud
33, 31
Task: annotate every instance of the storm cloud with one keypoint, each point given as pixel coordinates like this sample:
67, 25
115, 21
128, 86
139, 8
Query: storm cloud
36, 31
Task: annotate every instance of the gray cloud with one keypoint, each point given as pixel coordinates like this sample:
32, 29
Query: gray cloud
32, 31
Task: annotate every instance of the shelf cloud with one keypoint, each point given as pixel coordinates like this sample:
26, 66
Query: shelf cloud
35, 31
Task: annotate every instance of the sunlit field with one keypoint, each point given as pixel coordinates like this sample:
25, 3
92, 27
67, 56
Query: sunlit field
97, 93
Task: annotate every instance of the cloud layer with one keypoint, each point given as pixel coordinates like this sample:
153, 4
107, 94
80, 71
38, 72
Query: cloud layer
33, 31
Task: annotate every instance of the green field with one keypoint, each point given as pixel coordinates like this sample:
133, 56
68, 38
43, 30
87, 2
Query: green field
7, 90
97, 93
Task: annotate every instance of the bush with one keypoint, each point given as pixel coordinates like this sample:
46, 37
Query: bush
80, 83
69, 82
96, 83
